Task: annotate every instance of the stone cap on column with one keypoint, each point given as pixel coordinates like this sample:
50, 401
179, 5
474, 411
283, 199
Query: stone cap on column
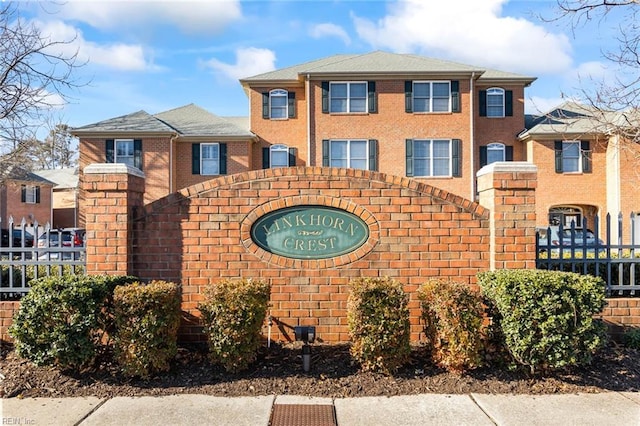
508, 167
507, 174
112, 168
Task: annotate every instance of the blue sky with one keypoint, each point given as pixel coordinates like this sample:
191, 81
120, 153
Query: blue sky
159, 55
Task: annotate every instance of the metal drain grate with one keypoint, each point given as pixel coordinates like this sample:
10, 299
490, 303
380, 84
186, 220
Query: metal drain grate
302, 415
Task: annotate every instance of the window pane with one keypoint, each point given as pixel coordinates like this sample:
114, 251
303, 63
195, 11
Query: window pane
210, 167
570, 165
210, 159
278, 101
441, 167
441, 105
421, 149
338, 105
358, 164
279, 159
124, 148
421, 167
339, 149
358, 149
358, 90
358, 105
421, 90
494, 155
441, 90
338, 90
421, 105
278, 113
441, 149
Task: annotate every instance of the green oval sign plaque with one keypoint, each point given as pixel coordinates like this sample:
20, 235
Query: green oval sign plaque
309, 232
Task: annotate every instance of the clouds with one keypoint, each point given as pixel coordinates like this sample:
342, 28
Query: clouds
192, 17
249, 61
479, 36
330, 30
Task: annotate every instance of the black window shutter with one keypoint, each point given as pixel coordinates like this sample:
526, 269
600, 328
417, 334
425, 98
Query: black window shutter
408, 96
508, 153
456, 157
455, 96
409, 156
37, 195
266, 158
508, 103
373, 155
325, 153
291, 99
23, 193
137, 153
195, 158
373, 97
293, 154
586, 156
325, 97
482, 103
558, 148
483, 156
110, 151
265, 105
223, 158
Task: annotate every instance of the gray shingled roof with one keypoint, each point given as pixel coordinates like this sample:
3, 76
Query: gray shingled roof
189, 120
379, 62
569, 118
62, 178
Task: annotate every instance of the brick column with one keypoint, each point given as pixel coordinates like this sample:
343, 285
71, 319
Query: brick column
507, 189
112, 193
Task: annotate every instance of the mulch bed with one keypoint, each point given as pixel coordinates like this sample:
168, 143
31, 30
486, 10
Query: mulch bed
333, 374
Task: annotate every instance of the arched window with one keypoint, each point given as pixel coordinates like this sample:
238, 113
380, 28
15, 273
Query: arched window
278, 102
495, 102
279, 156
495, 152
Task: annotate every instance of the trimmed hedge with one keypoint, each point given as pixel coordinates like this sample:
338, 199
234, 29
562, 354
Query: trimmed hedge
233, 312
453, 315
546, 317
378, 319
61, 319
147, 318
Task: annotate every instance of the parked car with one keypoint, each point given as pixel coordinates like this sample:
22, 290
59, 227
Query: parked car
550, 237
65, 237
17, 238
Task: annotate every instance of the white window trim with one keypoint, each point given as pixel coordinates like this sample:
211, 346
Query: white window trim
348, 111
278, 148
496, 146
431, 83
30, 194
115, 151
580, 154
349, 141
430, 158
494, 91
202, 145
279, 93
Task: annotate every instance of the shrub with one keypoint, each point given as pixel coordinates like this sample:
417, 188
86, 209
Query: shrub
147, 318
453, 315
547, 318
60, 318
631, 338
233, 312
378, 319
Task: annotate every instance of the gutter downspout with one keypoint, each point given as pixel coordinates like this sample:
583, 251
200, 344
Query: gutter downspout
171, 140
307, 94
472, 137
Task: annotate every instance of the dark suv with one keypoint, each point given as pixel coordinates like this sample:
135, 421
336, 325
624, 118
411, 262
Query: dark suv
17, 238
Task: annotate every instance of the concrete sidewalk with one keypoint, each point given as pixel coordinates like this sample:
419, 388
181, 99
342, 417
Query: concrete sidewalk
610, 408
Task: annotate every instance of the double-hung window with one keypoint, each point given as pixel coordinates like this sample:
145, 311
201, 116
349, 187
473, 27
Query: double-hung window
495, 102
432, 96
278, 102
30, 194
495, 152
433, 157
350, 153
279, 156
124, 150
209, 159
348, 97
572, 156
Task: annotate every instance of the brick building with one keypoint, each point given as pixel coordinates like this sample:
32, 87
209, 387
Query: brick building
25, 195
405, 115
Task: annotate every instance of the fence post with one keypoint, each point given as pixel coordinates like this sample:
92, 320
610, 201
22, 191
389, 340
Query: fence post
507, 189
113, 192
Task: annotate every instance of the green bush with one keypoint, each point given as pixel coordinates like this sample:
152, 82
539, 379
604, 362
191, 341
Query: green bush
378, 319
546, 317
233, 312
453, 315
60, 319
147, 318
631, 338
